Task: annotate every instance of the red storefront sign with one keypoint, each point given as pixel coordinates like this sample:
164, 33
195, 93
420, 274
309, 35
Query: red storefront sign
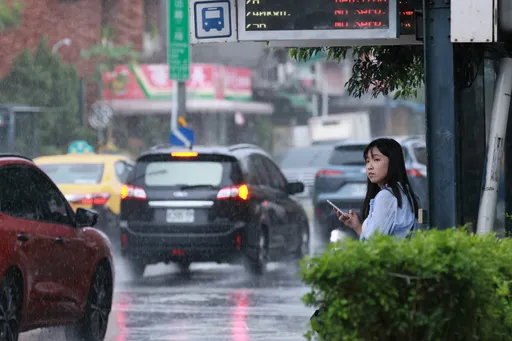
150, 81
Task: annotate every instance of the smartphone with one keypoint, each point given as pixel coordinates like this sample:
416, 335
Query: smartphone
337, 208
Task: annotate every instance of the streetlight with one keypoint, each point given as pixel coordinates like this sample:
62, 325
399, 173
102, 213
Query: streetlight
65, 41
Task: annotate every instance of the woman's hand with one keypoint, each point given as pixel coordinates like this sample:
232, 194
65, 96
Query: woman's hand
351, 220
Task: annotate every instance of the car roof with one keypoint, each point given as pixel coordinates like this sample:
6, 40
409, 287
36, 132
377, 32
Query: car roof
15, 158
312, 147
79, 158
236, 150
404, 139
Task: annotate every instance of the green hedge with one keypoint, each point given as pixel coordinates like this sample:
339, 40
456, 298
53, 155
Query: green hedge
440, 285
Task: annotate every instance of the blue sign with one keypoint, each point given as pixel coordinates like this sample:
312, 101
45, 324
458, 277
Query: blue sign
183, 137
212, 19
80, 147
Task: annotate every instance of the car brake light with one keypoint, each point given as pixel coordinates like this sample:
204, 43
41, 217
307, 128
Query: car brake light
133, 192
415, 173
234, 192
124, 241
97, 199
238, 241
328, 172
184, 154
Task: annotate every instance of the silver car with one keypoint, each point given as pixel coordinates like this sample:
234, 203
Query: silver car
301, 164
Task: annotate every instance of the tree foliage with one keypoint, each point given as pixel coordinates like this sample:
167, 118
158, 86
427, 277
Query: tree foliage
42, 79
10, 15
107, 56
377, 69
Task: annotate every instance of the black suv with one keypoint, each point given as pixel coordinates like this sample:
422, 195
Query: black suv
210, 204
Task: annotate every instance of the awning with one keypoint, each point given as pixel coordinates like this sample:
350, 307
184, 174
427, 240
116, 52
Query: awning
132, 107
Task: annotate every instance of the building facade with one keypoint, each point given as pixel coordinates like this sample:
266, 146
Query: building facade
80, 23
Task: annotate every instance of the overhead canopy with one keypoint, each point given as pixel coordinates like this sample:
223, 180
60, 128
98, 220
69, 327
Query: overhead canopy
131, 107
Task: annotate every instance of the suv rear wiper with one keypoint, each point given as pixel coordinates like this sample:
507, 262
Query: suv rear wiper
158, 172
183, 187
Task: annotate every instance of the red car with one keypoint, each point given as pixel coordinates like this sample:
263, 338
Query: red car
56, 269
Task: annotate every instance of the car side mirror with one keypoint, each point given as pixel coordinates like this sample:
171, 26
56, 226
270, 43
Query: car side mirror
85, 217
294, 187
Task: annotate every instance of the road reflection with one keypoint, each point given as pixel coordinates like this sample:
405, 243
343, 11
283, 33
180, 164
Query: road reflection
239, 314
221, 304
120, 309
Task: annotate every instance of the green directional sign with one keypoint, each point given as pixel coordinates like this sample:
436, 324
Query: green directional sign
178, 54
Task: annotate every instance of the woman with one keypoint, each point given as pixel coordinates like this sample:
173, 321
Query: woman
390, 206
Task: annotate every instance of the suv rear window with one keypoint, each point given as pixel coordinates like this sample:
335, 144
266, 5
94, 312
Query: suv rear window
348, 156
74, 173
203, 170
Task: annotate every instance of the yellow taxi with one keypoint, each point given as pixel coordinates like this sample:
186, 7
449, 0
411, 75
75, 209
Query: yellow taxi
91, 181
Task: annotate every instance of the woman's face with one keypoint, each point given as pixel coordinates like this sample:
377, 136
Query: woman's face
377, 166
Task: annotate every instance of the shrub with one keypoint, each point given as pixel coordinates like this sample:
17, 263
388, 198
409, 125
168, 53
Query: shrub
441, 285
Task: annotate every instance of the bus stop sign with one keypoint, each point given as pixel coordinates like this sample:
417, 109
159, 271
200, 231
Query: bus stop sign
213, 21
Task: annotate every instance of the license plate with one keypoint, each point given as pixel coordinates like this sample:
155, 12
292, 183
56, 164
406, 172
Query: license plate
356, 190
359, 190
180, 216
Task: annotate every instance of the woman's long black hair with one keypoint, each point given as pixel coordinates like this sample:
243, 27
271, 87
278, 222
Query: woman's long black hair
396, 174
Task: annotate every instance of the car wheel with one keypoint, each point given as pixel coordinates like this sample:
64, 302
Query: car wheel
113, 231
184, 267
93, 326
322, 233
10, 309
136, 268
258, 265
303, 249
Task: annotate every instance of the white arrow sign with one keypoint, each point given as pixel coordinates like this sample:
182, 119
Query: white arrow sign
182, 138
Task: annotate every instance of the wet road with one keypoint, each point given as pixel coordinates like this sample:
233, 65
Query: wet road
215, 303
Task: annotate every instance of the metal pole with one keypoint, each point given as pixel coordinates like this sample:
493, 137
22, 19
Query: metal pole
179, 95
12, 131
179, 103
34, 134
174, 112
441, 116
314, 104
499, 119
325, 94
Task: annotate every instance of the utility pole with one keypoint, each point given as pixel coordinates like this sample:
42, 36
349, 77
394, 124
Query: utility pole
441, 116
324, 86
455, 114
178, 56
179, 103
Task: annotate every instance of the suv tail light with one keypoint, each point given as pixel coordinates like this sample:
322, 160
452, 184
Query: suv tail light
97, 199
327, 172
133, 192
234, 192
415, 173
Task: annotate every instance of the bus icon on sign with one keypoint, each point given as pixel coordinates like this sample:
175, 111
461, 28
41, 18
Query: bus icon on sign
213, 18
